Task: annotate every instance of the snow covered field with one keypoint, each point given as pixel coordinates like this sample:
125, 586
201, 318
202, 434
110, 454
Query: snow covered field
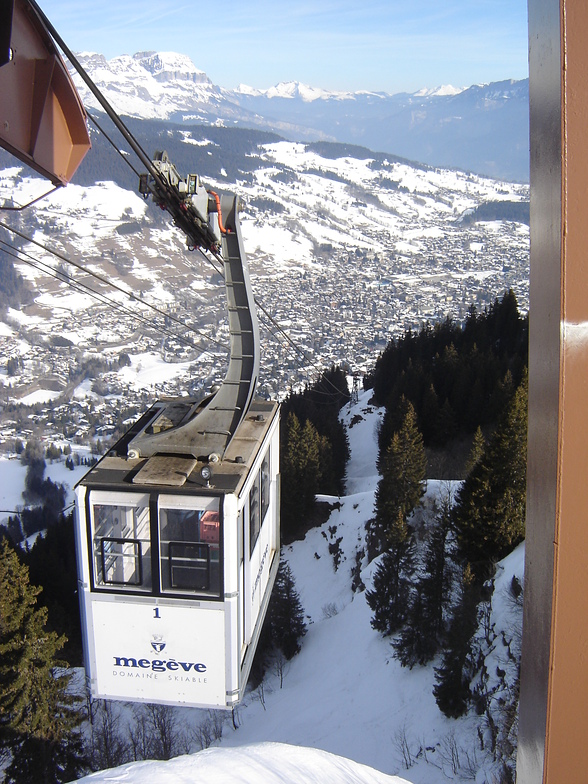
259, 763
345, 694
12, 478
345, 253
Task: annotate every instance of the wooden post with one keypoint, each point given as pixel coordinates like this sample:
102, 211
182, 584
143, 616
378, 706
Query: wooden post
554, 673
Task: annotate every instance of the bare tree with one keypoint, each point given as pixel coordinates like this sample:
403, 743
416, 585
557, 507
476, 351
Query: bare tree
403, 747
163, 722
280, 666
140, 737
109, 747
202, 734
449, 751
210, 729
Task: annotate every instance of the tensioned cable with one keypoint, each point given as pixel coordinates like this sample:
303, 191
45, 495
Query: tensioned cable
134, 144
136, 147
290, 340
28, 508
63, 277
105, 300
145, 160
133, 297
160, 312
83, 288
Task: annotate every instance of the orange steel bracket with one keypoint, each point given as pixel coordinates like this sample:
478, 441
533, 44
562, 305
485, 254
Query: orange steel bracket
42, 119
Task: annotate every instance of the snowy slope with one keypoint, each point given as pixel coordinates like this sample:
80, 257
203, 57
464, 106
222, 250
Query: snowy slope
12, 479
345, 694
358, 248
261, 763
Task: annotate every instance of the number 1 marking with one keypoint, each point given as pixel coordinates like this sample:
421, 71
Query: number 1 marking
156, 613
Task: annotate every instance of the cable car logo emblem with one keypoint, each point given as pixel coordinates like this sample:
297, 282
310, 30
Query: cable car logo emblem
157, 643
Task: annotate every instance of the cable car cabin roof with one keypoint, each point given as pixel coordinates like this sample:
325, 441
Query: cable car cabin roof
116, 471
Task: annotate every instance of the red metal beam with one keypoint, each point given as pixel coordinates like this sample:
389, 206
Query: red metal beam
42, 119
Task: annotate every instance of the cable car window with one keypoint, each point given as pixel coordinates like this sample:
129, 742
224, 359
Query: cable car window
189, 550
259, 498
265, 486
122, 546
254, 513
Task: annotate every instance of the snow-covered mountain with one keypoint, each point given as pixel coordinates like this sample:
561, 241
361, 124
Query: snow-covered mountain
483, 128
346, 249
298, 91
155, 85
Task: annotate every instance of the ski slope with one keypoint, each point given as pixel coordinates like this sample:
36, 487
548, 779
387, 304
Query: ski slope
344, 709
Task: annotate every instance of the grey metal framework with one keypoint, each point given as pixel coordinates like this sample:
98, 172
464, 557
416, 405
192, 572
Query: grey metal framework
204, 428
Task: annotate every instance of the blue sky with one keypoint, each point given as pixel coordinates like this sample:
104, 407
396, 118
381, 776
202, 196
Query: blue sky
388, 45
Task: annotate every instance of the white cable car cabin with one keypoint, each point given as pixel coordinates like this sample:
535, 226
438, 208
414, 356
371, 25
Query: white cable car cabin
177, 529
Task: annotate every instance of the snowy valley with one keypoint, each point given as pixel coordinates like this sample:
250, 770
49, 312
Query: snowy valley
347, 249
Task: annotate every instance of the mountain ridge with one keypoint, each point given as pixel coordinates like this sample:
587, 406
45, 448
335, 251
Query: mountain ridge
481, 128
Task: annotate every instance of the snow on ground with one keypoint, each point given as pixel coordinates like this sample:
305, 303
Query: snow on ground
259, 763
12, 479
284, 247
148, 369
12, 484
344, 694
39, 396
66, 299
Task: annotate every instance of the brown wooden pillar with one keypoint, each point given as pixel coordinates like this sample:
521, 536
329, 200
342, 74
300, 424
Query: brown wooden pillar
553, 729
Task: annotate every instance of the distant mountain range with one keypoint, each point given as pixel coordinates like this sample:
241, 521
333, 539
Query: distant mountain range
483, 128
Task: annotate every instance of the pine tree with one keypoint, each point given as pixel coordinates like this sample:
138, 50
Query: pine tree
310, 444
286, 614
38, 718
389, 598
489, 514
51, 563
301, 470
476, 452
401, 486
452, 688
291, 463
429, 414
421, 636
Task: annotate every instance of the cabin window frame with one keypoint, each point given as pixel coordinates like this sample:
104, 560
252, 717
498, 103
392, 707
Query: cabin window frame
259, 500
121, 520
147, 578
194, 504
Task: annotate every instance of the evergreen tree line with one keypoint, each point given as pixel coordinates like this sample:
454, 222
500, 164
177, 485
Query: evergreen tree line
235, 150
46, 498
458, 377
40, 736
516, 211
433, 585
51, 559
283, 628
313, 449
